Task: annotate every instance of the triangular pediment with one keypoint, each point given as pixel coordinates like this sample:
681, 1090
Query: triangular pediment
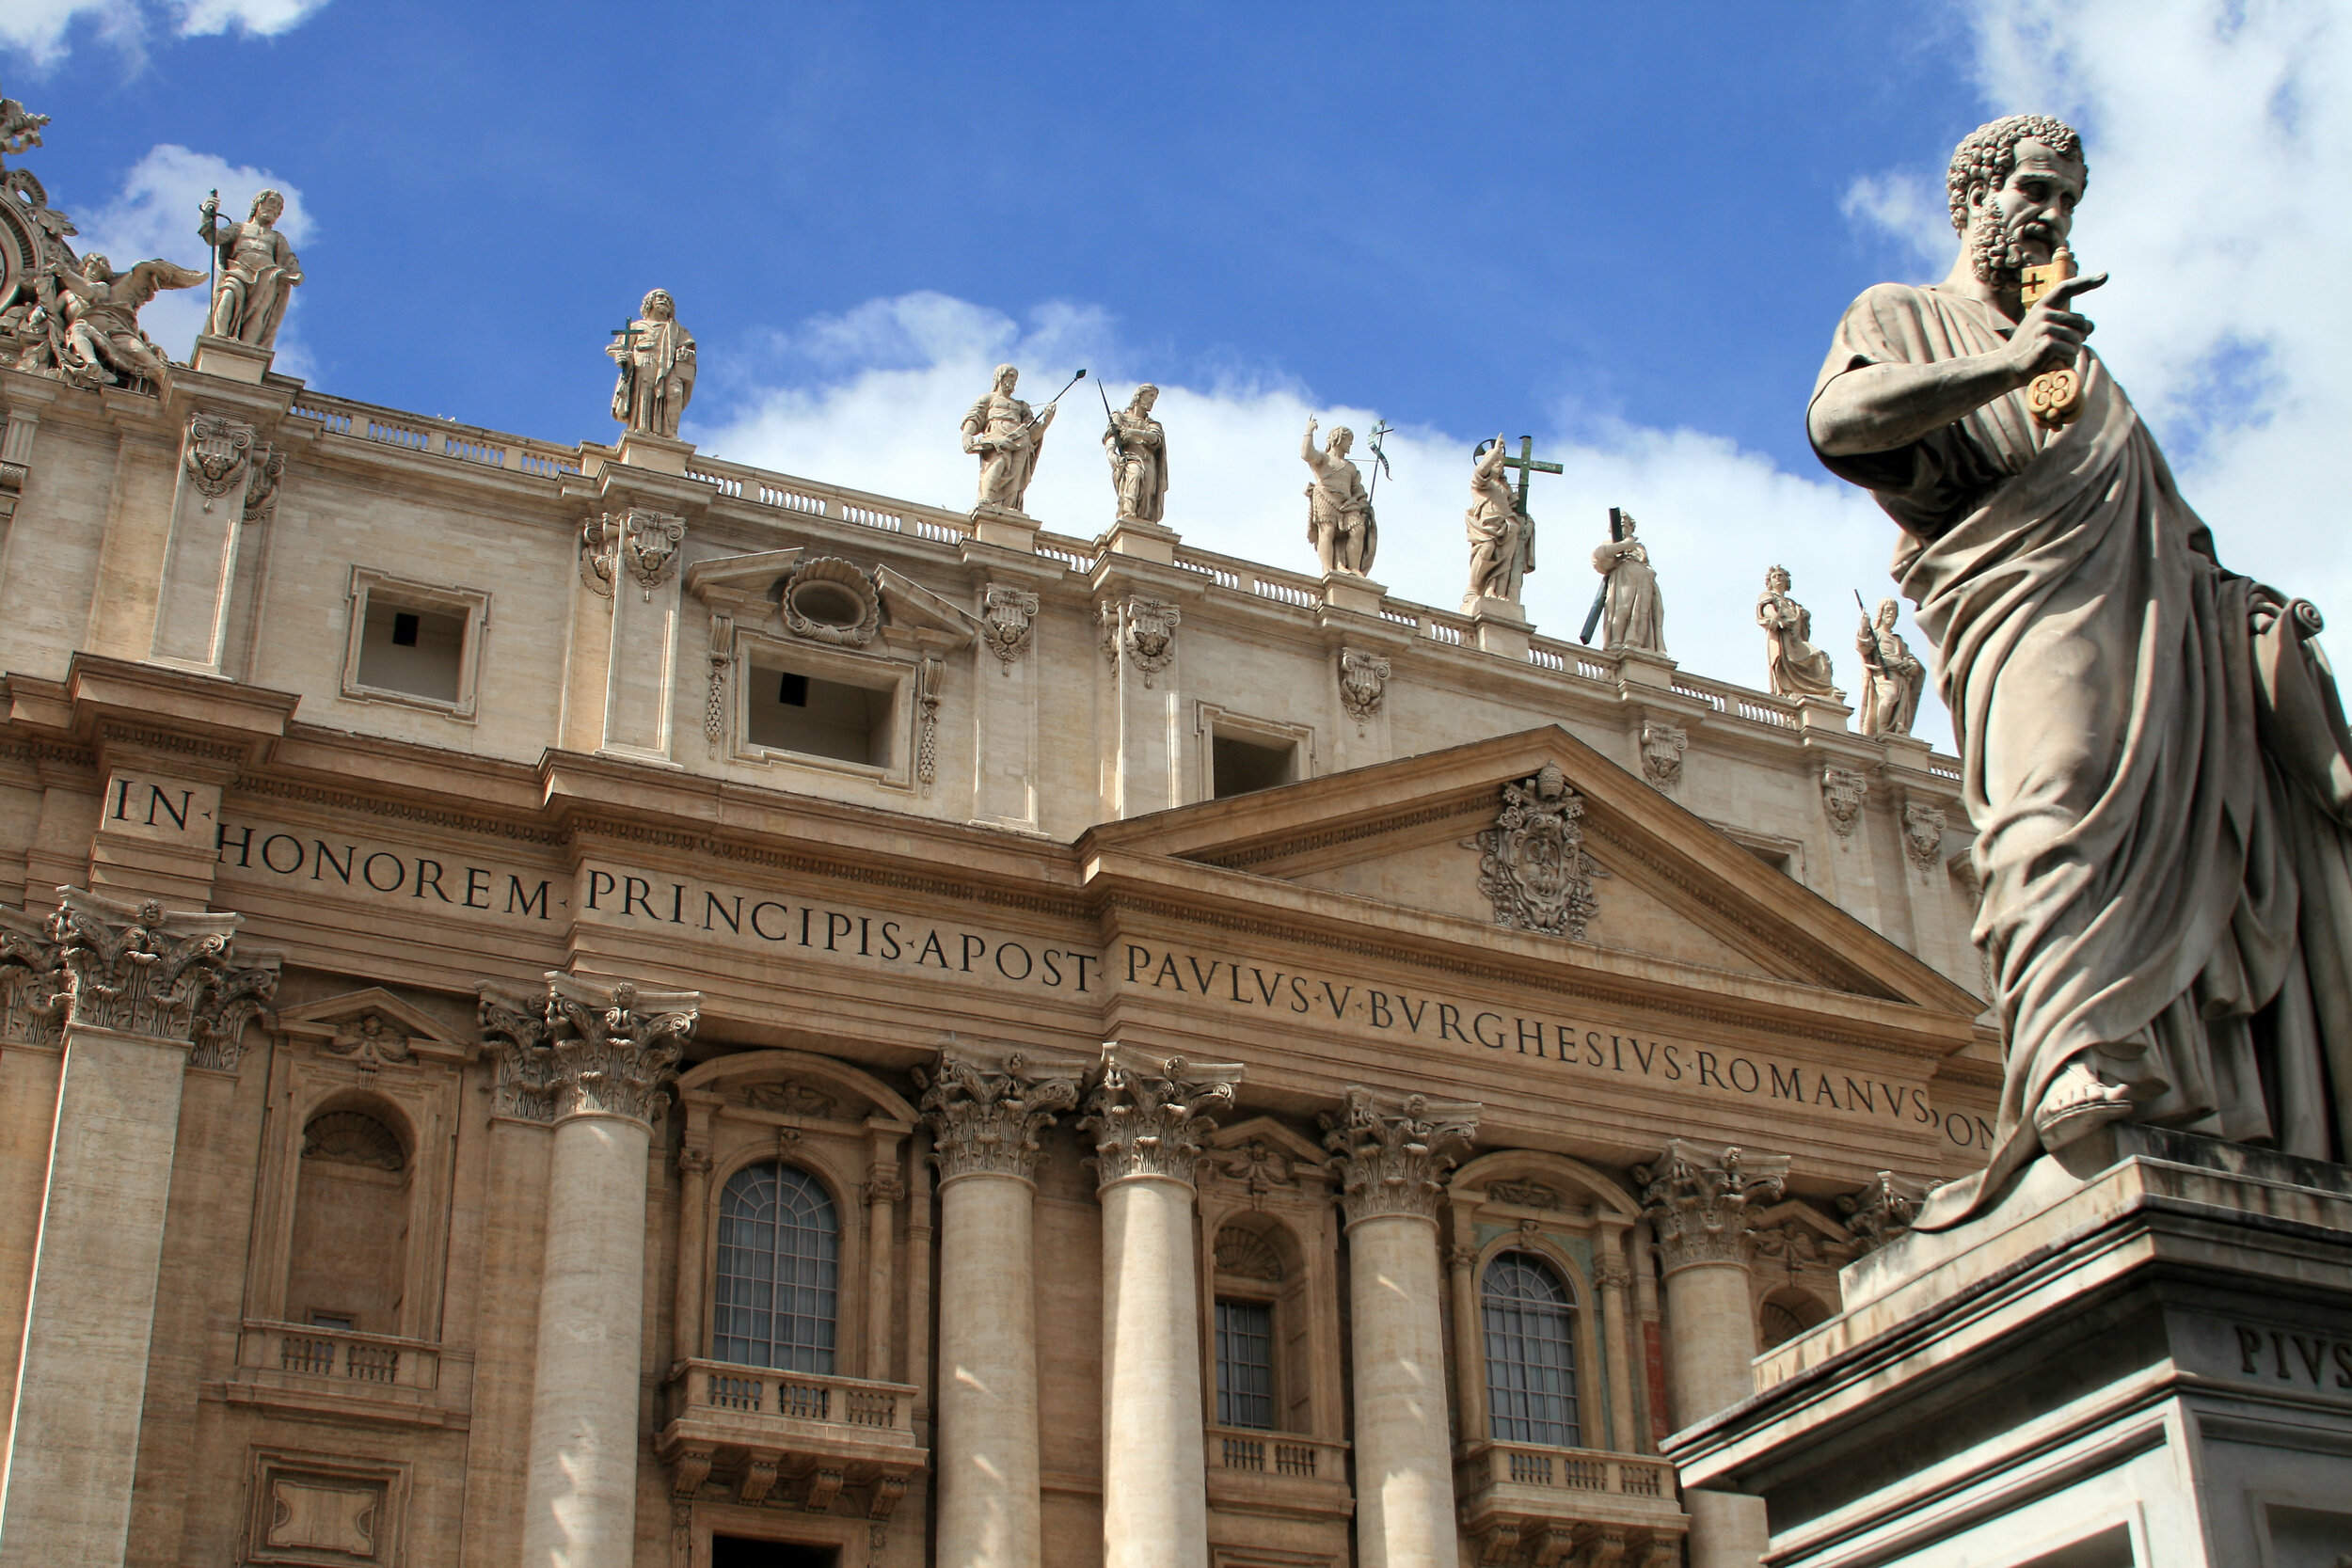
373, 1023
1664, 883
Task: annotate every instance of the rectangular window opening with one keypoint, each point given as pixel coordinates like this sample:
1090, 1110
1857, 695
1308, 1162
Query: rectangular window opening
342, 1321
741, 1551
1238, 767
419, 652
789, 711
1245, 1365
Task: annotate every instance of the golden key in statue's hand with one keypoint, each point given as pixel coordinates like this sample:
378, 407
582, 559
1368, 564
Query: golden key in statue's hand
2055, 396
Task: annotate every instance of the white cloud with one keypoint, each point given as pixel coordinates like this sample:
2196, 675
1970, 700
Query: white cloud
43, 30
1909, 207
155, 215
896, 376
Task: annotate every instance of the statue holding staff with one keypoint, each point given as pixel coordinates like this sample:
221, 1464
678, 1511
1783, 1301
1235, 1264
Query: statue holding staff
1633, 610
2153, 749
255, 269
1006, 436
1892, 678
1340, 521
1137, 449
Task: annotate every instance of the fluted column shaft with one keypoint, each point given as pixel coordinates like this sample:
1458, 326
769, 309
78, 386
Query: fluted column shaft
1696, 1199
1147, 1116
1393, 1155
985, 1109
138, 989
597, 1060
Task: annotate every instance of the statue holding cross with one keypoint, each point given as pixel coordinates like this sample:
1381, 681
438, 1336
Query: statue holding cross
1502, 534
657, 360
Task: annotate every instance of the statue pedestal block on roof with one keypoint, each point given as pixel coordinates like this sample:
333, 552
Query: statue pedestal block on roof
2147, 1360
1144, 541
663, 454
1348, 591
1501, 625
232, 360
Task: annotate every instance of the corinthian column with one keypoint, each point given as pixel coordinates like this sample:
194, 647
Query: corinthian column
986, 1108
1696, 1197
1392, 1153
1147, 1116
594, 1061
136, 988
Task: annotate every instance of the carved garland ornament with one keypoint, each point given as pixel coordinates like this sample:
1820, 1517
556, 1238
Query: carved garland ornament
1842, 790
215, 454
1363, 682
1007, 617
1532, 862
927, 675
1923, 835
985, 1118
586, 1048
1150, 1113
644, 543
1662, 746
1392, 1153
1696, 1198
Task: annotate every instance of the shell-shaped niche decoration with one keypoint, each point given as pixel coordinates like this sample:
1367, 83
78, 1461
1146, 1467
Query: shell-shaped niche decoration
829, 600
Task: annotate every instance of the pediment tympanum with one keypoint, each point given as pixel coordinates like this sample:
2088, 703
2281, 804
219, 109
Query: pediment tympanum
910, 616
1537, 832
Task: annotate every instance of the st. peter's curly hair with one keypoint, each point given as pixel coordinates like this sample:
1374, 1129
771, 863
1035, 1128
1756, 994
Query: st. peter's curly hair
1988, 153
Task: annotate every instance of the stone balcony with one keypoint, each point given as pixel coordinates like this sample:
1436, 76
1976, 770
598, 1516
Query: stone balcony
1526, 1503
338, 1372
1278, 1473
778, 1437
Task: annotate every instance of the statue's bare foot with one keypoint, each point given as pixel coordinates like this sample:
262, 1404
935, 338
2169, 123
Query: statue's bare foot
2077, 1101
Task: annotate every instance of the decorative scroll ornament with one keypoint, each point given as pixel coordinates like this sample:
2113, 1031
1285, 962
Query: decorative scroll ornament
1791, 1245
1526, 1194
1923, 835
643, 543
586, 1048
1695, 1197
1149, 1114
261, 496
1006, 619
1532, 862
1260, 1167
1662, 746
370, 1043
1145, 630
830, 600
1392, 1153
1884, 1210
1363, 682
1842, 790
215, 454
986, 1110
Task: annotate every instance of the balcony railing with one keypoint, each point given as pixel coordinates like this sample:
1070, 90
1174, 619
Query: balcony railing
1511, 1490
1286, 1472
1577, 1470
302, 1366
795, 1435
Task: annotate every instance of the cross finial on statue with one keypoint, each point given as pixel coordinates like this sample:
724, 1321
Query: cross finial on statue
1527, 466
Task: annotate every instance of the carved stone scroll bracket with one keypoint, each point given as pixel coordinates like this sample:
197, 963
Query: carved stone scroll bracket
1923, 835
1532, 862
215, 454
1663, 745
1842, 792
1363, 684
166, 974
1144, 630
1008, 619
640, 543
586, 1048
987, 1107
1392, 1153
1884, 1209
261, 496
1695, 1197
1148, 1113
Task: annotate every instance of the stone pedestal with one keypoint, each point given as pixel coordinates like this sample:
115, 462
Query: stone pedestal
1696, 1200
1147, 1116
986, 1111
144, 988
1132, 536
1004, 528
1500, 626
230, 360
1358, 595
594, 1061
663, 454
2146, 1360
1393, 1156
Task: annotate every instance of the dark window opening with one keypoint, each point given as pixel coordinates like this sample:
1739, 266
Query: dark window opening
792, 690
1239, 766
737, 1551
1245, 1365
792, 712
419, 652
404, 629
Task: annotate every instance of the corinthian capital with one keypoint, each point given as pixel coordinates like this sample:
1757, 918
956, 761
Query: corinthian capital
986, 1107
1883, 1211
1148, 1112
1696, 1198
1393, 1151
587, 1048
166, 974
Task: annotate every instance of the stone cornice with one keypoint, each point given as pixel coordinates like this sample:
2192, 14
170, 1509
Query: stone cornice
1393, 1151
1695, 1197
986, 1107
586, 1048
1150, 1113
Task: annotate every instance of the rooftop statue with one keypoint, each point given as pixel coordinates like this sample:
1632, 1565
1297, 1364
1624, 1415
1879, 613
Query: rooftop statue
2154, 753
657, 359
1892, 678
1633, 611
100, 310
256, 269
1138, 448
1794, 666
1501, 536
1340, 521
1006, 436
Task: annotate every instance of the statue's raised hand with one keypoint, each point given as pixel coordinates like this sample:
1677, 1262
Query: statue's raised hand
2051, 336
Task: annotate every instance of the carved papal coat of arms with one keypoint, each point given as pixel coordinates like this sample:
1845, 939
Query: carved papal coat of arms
1532, 862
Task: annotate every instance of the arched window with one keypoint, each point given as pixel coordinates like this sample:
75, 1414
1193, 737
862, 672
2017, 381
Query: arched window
779, 1272
350, 1244
1788, 1313
1531, 1352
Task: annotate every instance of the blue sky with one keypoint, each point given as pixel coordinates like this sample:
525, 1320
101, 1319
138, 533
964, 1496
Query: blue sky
1626, 230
